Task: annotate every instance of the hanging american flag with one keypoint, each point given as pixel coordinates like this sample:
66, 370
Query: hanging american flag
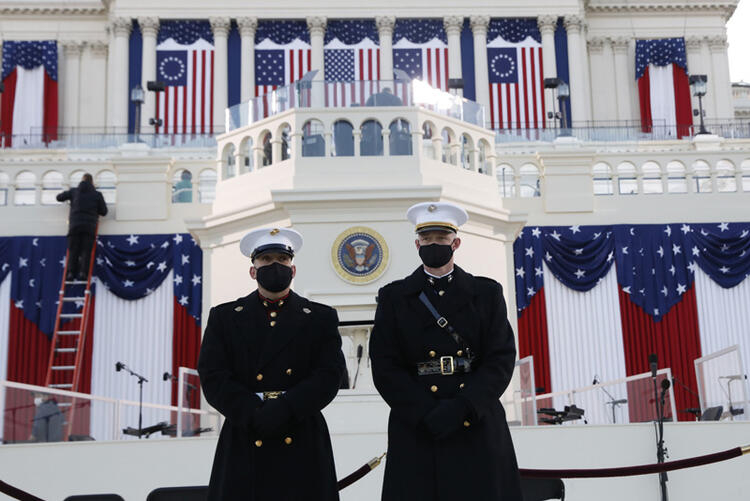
277, 66
427, 62
514, 60
185, 63
30, 102
352, 72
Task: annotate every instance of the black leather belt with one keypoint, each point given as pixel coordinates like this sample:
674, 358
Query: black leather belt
269, 395
446, 366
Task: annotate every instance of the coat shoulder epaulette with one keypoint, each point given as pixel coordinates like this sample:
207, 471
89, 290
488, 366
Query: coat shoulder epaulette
229, 305
318, 307
486, 285
390, 288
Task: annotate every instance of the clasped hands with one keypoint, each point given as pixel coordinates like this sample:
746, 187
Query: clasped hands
272, 417
446, 418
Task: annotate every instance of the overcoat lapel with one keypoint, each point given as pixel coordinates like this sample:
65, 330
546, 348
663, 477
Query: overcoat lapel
288, 324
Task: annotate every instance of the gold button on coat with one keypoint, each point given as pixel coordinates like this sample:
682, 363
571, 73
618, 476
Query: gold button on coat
273, 322
461, 385
432, 354
433, 388
460, 353
259, 377
258, 443
273, 314
440, 293
288, 440
289, 372
467, 424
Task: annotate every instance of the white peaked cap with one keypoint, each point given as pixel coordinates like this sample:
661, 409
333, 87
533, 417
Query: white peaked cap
428, 216
258, 241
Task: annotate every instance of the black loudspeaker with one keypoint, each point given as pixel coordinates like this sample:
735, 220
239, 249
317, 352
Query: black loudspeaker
539, 489
194, 493
95, 497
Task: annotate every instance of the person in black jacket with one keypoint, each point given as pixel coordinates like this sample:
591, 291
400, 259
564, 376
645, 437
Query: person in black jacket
443, 352
86, 205
270, 362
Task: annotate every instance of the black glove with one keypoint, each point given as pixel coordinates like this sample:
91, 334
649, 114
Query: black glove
446, 418
272, 417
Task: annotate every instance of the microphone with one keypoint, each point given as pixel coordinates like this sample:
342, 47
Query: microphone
596, 379
119, 366
653, 361
620, 401
167, 376
359, 352
665, 384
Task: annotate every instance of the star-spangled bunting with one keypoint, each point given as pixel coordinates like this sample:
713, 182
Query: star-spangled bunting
30, 55
130, 266
661, 52
655, 264
514, 30
419, 30
281, 32
185, 32
351, 31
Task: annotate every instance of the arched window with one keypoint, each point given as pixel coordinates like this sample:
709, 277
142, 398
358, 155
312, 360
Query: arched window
371, 143
702, 177
530, 184
207, 186
52, 184
343, 139
227, 162
725, 180
505, 175
4, 181
485, 165
247, 154
449, 138
286, 145
746, 175
106, 182
467, 152
75, 178
182, 187
25, 188
265, 140
313, 140
676, 180
651, 173
428, 148
400, 137
602, 176
626, 180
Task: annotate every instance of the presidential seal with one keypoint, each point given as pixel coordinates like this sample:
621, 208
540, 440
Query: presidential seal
359, 255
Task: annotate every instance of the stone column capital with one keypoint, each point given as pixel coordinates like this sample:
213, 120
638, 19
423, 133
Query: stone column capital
693, 42
72, 47
573, 24
220, 26
620, 44
717, 42
453, 25
247, 26
149, 26
317, 25
479, 24
385, 24
547, 24
121, 26
98, 48
596, 44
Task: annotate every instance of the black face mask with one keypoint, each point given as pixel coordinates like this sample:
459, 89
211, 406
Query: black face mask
274, 277
435, 255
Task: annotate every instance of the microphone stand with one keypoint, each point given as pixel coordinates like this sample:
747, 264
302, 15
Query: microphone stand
141, 380
612, 401
660, 451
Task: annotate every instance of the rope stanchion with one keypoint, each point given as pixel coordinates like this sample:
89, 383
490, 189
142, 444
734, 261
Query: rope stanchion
17, 493
361, 472
644, 469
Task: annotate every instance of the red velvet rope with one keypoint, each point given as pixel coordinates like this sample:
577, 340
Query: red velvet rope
629, 471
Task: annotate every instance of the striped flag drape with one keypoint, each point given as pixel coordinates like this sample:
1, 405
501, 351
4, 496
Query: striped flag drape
352, 72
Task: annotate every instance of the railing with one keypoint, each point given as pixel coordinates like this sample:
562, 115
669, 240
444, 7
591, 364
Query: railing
92, 139
38, 414
326, 94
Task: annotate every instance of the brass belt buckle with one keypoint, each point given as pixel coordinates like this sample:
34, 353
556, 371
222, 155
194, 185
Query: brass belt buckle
271, 395
446, 360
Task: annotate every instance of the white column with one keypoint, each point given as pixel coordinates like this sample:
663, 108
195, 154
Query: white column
624, 79
709, 100
385, 26
71, 83
696, 66
453, 26
247, 26
547, 25
722, 86
119, 94
573, 25
92, 102
317, 27
602, 59
220, 27
149, 31
479, 25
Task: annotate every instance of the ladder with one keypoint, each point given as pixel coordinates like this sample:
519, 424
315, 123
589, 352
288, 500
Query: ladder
69, 338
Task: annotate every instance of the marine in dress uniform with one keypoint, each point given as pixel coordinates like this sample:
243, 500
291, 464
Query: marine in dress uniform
269, 362
442, 368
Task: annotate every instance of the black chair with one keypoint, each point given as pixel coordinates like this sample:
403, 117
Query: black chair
712, 413
541, 489
95, 497
194, 493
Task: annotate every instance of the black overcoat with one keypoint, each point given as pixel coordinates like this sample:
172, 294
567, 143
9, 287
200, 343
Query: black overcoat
86, 205
242, 354
477, 462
